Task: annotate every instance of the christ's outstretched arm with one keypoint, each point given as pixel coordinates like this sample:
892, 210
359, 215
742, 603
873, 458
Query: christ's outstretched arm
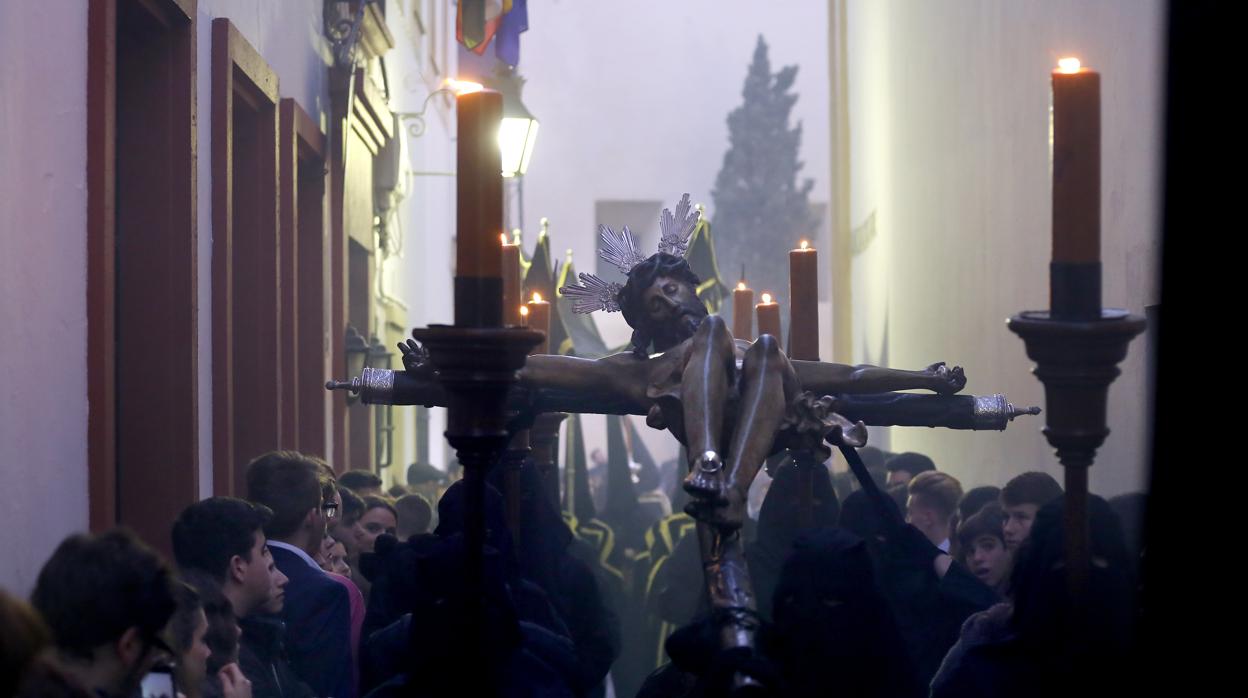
823, 378
619, 378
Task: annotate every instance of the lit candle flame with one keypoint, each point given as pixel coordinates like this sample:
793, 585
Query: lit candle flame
463, 87
766, 298
1068, 65
503, 237
524, 311
537, 297
740, 285
805, 244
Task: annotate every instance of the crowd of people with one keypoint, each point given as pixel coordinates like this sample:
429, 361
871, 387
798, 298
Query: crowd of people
318, 584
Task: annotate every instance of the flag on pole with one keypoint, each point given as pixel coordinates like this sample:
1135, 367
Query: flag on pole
514, 22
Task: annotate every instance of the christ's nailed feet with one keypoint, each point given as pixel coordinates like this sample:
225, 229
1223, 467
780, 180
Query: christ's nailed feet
715, 501
725, 514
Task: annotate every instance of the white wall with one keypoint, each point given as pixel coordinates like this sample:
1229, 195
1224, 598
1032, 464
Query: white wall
427, 215
43, 208
948, 113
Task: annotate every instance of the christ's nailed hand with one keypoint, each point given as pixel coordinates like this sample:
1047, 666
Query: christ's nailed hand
945, 380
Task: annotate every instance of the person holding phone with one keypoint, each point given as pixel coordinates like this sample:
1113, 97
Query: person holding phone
106, 598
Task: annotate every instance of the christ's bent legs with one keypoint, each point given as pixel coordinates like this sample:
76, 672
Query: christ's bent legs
707, 386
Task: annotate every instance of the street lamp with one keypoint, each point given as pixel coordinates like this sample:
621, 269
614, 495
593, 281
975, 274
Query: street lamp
383, 422
377, 355
516, 134
516, 137
357, 351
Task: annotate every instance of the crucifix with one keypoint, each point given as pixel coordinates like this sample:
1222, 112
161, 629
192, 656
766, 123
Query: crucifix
730, 402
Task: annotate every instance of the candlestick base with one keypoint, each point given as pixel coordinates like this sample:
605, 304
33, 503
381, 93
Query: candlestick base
477, 368
1076, 360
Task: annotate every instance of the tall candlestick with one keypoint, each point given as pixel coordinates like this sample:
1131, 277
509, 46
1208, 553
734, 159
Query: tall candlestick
513, 293
768, 317
804, 303
479, 203
539, 319
1075, 271
742, 315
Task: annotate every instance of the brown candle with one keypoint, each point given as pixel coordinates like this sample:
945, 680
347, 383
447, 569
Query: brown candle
521, 439
768, 317
804, 303
479, 210
513, 293
539, 319
1076, 163
742, 317
479, 183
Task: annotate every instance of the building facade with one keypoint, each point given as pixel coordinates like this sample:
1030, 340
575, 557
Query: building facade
221, 204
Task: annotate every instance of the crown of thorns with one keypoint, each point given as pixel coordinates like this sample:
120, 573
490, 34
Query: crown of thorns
620, 249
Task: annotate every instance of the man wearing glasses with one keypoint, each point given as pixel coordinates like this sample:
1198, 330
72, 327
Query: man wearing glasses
301, 492
106, 598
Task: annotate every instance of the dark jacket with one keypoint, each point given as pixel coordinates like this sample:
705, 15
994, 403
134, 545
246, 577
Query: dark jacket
262, 659
929, 610
435, 657
569, 584
318, 627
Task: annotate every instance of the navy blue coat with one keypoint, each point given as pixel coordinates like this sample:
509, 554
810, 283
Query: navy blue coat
317, 613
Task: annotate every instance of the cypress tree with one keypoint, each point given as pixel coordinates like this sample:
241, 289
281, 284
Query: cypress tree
761, 209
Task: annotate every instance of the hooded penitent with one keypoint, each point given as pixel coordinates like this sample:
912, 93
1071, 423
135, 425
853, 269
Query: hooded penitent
779, 526
832, 631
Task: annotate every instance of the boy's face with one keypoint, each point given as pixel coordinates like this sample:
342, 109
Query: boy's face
338, 559
1018, 521
988, 559
899, 477
277, 595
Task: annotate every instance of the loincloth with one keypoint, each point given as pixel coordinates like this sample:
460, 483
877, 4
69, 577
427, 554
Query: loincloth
808, 419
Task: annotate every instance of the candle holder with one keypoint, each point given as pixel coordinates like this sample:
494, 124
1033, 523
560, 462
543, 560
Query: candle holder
544, 438
1076, 360
511, 461
476, 367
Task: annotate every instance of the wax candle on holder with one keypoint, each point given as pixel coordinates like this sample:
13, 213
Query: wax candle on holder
479, 208
539, 319
742, 311
804, 303
1075, 270
768, 317
513, 293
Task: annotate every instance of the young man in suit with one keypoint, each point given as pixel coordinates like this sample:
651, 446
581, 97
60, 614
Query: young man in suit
317, 608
